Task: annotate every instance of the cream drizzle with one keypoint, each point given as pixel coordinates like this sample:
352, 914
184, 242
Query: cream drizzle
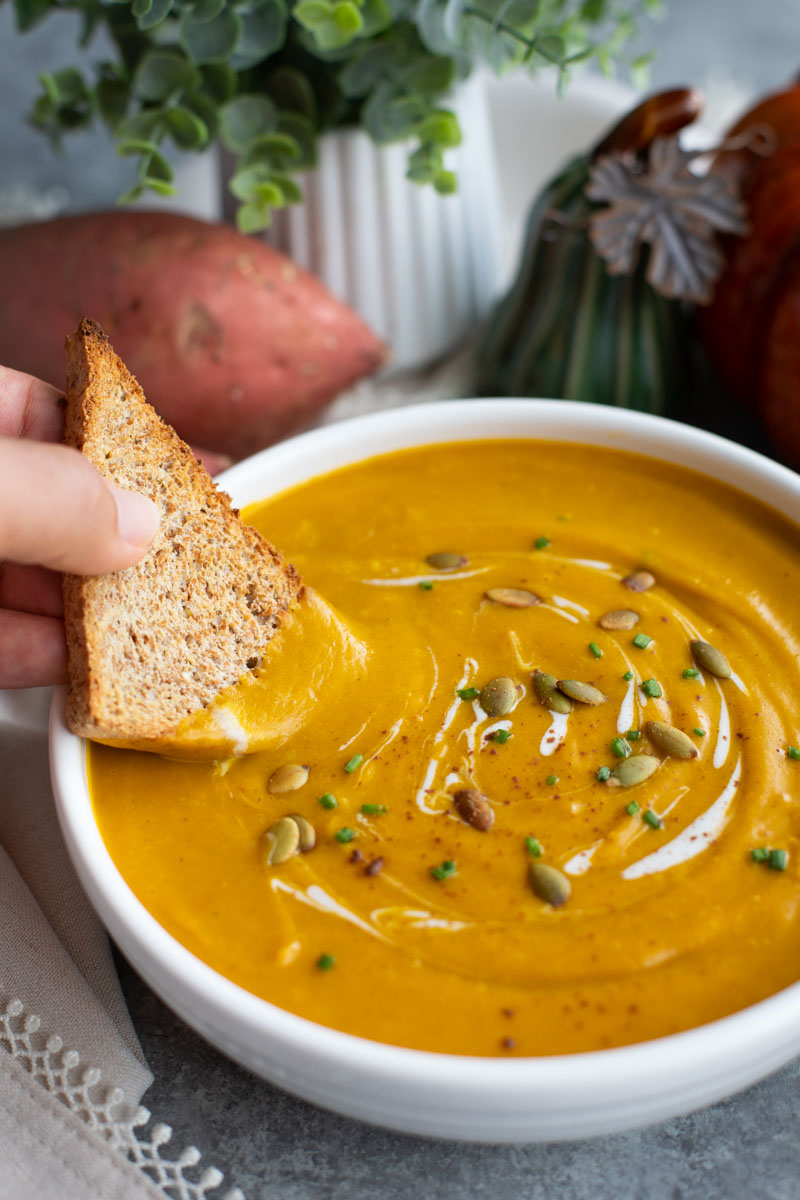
316, 897
693, 840
560, 613
558, 728
580, 863
723, 745
232, 727
627, 709
562, 602
416, 580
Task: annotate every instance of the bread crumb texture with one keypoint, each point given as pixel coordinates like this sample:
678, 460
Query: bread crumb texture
154, 643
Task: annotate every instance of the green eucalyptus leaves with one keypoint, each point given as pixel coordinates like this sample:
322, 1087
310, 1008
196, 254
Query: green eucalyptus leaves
266, 77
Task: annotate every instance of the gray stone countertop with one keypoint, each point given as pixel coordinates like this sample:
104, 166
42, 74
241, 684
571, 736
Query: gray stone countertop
274, 1146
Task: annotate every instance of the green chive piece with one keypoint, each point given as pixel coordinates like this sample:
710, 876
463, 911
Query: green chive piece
778, 860
551, 780
468, 693
345, 835
793, 752
325, 962
633, 735
354, 763
652, 688
619, 747
533, 847
760, 854
426, 585
501, 736
374, 810
628, 676
642, 641
595, 649
603, 774
446, 871
652, 819
541, 543
700, 732
632, 808
691, 673
329, 800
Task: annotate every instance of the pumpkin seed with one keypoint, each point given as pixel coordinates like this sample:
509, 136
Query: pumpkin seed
549, 884
639, 581
584, 693
670, 740
281, 841
287, 778
308, 834
474, 808
446, 560
634, 770
499, 696
711, 659
619, 618
546, 688
513, 597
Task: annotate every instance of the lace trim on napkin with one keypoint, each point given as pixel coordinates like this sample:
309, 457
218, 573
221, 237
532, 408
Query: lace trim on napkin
104, 1109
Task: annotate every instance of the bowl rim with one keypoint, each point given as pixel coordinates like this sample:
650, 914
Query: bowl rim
759, 1027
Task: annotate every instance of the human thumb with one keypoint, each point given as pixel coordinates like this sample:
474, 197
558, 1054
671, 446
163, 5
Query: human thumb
56, 510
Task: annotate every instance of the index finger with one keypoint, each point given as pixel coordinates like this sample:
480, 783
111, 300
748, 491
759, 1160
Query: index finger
30, 408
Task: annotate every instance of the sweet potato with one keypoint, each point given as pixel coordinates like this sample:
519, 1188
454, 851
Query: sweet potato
233, 344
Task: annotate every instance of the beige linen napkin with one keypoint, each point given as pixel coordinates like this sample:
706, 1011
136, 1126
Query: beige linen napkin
72, 1071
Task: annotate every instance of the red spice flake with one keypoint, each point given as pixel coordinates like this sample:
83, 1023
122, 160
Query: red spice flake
508, 1043
507, 1012
375, 867
356, 856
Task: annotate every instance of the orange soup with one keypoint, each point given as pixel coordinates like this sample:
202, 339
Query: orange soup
520, 777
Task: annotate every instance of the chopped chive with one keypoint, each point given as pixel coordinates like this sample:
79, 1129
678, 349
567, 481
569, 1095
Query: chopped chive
325, 962
642, 641
691, 673
793, 752
595, 649
778, 860
468, 693
501, 736
374, 810
652, 688
354, 763
446, 871
328, 800
700, 732
632, 808
345, 835
541, 543
551, 780
633, 735
760, 854
628, 676
652, 819
426, 585
603, 774
533, 847
619, 747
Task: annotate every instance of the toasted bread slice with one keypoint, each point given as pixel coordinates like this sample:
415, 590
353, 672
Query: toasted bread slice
154, 643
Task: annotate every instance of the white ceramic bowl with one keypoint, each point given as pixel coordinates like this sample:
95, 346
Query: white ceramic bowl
481, 1099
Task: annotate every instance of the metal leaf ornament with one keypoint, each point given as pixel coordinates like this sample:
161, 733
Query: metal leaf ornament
661, 203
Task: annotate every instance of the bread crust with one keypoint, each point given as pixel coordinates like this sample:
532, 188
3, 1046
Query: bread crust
154, 643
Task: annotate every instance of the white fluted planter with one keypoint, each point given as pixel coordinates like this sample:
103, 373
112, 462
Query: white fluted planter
420, 268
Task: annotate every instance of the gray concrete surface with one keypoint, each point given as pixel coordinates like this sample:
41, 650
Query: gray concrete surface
277, 1148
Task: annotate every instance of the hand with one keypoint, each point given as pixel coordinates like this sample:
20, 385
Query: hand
56, 514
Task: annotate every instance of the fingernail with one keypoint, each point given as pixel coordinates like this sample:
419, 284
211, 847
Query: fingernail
137, 517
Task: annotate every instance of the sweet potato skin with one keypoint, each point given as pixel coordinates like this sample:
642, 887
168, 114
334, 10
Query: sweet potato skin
233, 344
